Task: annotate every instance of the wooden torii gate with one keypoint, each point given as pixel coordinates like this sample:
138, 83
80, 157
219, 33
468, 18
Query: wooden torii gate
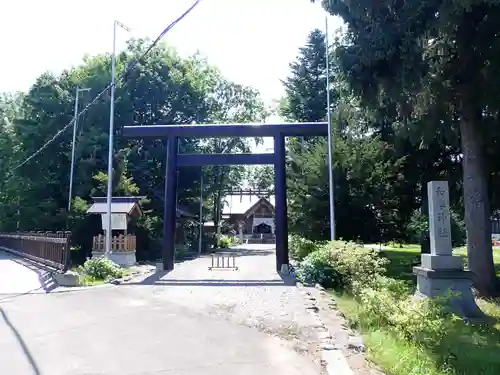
174, 160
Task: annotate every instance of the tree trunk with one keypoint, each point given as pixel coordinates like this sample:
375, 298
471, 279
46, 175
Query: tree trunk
477, 210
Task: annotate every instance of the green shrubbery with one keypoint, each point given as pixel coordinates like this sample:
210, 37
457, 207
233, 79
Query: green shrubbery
423, 336
383, 301
339, 264
389, 303
99, 269
224, 241
300, 247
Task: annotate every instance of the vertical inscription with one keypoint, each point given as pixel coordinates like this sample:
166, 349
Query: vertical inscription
439, 217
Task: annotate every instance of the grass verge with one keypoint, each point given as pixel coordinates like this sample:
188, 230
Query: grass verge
464, 349
468, 349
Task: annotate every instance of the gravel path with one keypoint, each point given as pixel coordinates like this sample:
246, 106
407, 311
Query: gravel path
254, 295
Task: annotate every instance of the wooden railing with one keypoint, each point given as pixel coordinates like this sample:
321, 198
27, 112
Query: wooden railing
119, 243
51, 249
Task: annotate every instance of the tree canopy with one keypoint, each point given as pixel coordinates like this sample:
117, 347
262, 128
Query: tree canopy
413, 99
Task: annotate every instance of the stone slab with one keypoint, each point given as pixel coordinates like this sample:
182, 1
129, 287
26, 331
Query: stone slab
69, 278
442, 262
439, 218
432, 284
122, 258
442, 274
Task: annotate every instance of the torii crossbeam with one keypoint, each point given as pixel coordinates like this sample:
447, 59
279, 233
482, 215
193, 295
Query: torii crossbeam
173, 161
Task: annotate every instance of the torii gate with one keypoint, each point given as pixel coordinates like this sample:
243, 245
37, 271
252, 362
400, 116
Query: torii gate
174, 160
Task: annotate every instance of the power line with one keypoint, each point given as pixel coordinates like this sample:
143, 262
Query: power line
122, 79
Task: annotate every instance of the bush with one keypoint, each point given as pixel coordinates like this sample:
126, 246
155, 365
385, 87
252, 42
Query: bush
316, 268
224, 242
388, 303
102, 269
301, 247
340, 265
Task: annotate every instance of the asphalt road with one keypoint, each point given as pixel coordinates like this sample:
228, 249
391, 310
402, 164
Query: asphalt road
16, 278
129, 330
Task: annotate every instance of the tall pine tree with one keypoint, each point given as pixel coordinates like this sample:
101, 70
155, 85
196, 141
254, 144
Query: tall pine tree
305, 87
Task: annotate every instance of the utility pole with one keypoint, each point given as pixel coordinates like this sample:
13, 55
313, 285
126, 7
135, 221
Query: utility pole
73, 147
330, 137
110, 145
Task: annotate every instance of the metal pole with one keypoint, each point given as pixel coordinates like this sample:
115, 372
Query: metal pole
200, 240
110, 146
73, 147
73, 151
330, 138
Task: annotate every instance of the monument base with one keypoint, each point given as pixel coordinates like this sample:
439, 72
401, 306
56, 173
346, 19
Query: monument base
122, 258
432, 283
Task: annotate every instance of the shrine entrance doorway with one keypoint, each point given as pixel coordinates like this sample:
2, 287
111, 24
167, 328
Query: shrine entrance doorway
174, 160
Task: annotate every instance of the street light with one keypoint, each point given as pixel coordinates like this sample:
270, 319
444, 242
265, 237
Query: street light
70, 194
330, 137
111, 131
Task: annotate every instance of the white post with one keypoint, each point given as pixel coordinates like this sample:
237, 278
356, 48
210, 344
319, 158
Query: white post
73, 147
330, 138
75, 120
110, 146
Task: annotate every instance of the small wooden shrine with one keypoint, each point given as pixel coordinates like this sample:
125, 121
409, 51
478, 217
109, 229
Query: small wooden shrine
123, 211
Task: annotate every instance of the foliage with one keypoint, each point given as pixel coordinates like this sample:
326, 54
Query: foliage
387, 302
100, 268
163, 88
261, 177
305, 87
434, 65
299, 247
405, 335
437, 342
224, 241
419, 227
373, 182
340, 264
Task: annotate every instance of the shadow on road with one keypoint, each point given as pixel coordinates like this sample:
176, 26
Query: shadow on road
158, 279
243, 252
209, 282
26, 351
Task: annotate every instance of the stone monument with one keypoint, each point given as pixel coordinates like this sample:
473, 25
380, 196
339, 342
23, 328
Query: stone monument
441, 271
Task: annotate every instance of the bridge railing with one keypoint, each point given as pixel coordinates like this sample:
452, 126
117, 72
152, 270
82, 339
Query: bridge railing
51, 249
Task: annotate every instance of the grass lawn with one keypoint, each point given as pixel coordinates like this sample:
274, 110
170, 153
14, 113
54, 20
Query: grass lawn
404, 258
468, 349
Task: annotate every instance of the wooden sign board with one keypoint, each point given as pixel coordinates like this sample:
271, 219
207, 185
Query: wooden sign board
118, 221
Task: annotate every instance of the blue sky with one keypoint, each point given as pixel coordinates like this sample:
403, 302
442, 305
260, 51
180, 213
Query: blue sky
251, 41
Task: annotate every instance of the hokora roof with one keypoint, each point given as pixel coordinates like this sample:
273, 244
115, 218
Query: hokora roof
240, 204
119, 205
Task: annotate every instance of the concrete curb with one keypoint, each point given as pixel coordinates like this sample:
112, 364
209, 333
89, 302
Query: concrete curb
332, 357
